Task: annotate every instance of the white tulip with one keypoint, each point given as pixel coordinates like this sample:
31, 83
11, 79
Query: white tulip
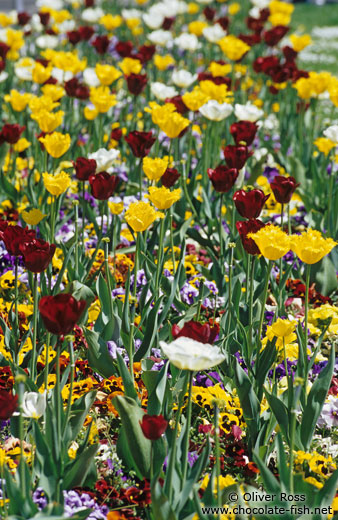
129, 14
332, 133
34, 404
187, 42
214, 33
104, 158
153, 20
92, 14
90, 78
3, 76
47, 41
248, 112
161, 91
57, 5
62, 75
261, 4
216, 111
183, 78
160, 37
188, 354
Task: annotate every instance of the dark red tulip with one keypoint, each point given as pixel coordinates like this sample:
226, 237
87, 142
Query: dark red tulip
84, 168
103, 185
101, 44
37, 254
289, 53
236, 156
169, 177
76, 89
124, 49
254, 24
274, 36
140, 142
266, 64
209, 13
218, 80
168, 23
201, 332
249, 204
86, 32
11, 133
283, 188
8, 404
264, 14
44, 18
249, 226
74, 37
116, 134
223, 178
4, 48
179, 104
250, 39
60, 313
13, 236
153, 426
89, 3
2, 64
3, 226
243, 132
223, 22
145, 53
23, 18
136, 83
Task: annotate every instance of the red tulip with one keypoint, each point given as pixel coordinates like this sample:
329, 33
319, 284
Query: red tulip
4, 48
86, 32
209, 13
249, 226
274, 36
8, 404
249, 204
169, 177
153, 426
44, 18
283, 188
243, 132
101, 44
23, 18
60, 313
103, 185
140, 142
136, 83
74, 37
223, 178
145, 53
201, 332
14, 236
11, 133
84, 168
116, 134
124, 49
236, 156
179, 104
37, 254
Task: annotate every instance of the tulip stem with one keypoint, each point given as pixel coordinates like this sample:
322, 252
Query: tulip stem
217, 456
289, 221
265, 294
281, 267
251, 295
72, 369
186, 193
106, 263
159, 258
16, 307
47, 362
140, 177
21, 389
132, 311
35, 322
83, 213
185, 448
76, 240
172, 242
221, 234
307, 285
58, 415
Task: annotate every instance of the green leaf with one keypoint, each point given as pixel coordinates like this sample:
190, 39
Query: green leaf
131, 414
128, 383
160, 504
315, 401
280, 411
150, 332
76, 471
271, 484
98, 356
324, 275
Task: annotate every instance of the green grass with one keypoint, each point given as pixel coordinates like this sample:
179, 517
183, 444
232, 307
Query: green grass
305, 18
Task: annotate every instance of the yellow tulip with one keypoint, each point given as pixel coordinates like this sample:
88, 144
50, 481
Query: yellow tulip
272, 242
154, 168
311, 246
140, 215
56, 143
163, 198
56, 184
32, 217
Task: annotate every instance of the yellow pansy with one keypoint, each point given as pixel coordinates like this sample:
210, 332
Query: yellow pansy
154, 168
300, 42
233, 47
130, 66
32, 217
48, 121
21, 145
17, 100
56, 143
311, 246
40, 74
140, 215
163, 198
107, 74
272, 242
163, 62
56, 184
102, 98
111, 22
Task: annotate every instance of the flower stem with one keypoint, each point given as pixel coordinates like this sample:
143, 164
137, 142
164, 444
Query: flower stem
221, 234
281, 268
83, 213
72, 369
307, 285
185, 447
217, 457
106, 265
16, 307
46, 371
131, 348
76, 203
58, 404
172, 241
159, 258
251, 295
35, 323
265, 294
